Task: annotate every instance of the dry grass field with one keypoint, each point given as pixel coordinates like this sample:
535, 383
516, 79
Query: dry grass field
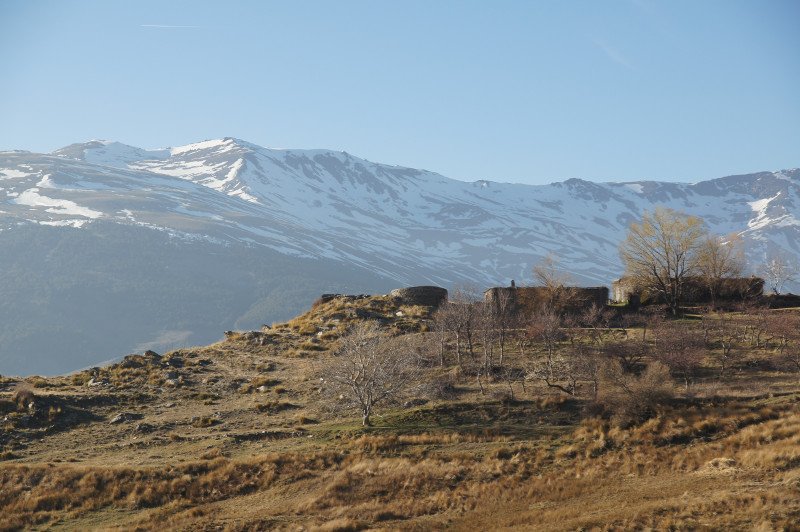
238, 436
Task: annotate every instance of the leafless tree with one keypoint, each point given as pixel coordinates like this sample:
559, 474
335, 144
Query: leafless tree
487, 328
554, 283
679, 347
726, 335
783, 330
778, 270
566, 357
458, 316
582, 361
661, 252
630, 344
756, 325
719, 258
502, 318
782, 338
629, 353
441, 329
369, 369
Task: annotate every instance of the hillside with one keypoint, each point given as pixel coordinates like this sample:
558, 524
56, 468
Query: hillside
239, 435
264, 231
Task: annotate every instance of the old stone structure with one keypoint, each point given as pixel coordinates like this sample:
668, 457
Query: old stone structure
526, 299
625, 290
426, 296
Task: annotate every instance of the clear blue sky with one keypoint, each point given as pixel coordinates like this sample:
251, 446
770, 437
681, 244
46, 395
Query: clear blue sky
528, 91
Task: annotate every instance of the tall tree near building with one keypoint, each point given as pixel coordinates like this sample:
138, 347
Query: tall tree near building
554, 283
661, 251
719, 258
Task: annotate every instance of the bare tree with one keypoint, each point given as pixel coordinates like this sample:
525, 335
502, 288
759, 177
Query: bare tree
661, 252
583, 357
629, 353
719, 258
726, 335
566, 358
502, 319
632, 343
441, 329
369, 369
554, 284
678, 346
778, 270
781, 332
459, 316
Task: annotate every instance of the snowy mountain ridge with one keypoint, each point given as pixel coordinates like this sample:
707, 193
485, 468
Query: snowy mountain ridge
410, 225
107, 249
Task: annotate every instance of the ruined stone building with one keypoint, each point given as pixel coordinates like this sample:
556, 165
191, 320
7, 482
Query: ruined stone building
527, 299
625, 290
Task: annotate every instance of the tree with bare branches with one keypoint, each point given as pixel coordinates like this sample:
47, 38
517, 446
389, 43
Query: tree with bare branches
553, 281
502, 318
459, 317
565, 357
369, 369
726, 335
661, 251
719, 258
679, 347
778, 270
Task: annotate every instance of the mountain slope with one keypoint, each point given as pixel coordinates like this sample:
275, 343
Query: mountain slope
343, 220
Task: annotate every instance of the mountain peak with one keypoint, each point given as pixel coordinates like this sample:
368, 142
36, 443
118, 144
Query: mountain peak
217, 145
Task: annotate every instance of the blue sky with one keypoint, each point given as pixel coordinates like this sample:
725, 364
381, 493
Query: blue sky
530, 92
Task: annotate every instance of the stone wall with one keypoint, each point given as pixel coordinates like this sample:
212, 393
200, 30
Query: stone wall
527, 299
694, 290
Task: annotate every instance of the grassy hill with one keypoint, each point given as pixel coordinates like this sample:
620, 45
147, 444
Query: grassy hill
239, 435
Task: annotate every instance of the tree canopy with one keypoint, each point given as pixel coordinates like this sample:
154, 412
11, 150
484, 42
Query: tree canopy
661, 251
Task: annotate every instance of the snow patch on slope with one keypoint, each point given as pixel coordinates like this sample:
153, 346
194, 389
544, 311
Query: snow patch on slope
760, 208
11, 173
32, 198
207, 144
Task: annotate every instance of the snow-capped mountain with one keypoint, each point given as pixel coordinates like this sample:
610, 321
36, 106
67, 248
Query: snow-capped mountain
394, 225
411, 225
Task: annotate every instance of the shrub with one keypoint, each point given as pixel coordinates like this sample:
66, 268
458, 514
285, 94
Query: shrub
273, 407
633, 398
204, 422
38, 382
23, 399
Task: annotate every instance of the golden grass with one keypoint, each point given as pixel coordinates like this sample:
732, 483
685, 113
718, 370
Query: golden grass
394, 479
729, 458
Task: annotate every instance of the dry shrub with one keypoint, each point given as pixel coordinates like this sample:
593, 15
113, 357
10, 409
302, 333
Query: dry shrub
33, 495
340, 524
204, 422
257, 382
310, 345
80, 379
38, 382
392, 442
23, 399
273, 407
631, 398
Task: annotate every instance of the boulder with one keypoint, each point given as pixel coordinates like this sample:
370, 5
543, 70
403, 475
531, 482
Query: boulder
144, 428
124, 417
